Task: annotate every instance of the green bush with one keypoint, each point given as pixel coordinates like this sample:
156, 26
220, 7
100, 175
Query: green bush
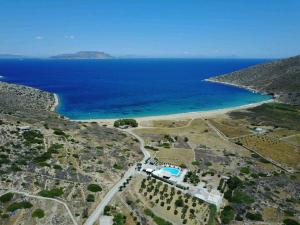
118, 166
6, 197
52, 193
39, 213
119, 219
227, 215
18, 205
290, 222
94, 188
241, 197
107, 209
183, 166
156, 219
234, 182
254, 216
212, 214
123, 122
90, 198
59, 132
196, 163
179, 202
4, 216
33, 137
245, 170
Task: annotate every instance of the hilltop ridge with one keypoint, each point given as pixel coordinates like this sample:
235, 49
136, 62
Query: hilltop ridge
280, 78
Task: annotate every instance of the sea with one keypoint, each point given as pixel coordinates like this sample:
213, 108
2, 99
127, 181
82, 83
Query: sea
127, 88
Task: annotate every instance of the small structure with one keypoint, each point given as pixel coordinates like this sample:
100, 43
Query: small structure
213, 196
149, 170
259, 130
22, 129
106, 220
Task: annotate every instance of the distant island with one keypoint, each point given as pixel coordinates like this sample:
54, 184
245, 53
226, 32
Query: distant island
83, 55
12, 56
280, 78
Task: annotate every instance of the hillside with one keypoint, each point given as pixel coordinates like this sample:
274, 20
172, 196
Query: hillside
44, 154
280, 78
83, 55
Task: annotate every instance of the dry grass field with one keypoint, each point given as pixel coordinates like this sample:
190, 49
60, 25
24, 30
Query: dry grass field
294, 140
175, 156
274, 149
231, 128
166, 123
283, 132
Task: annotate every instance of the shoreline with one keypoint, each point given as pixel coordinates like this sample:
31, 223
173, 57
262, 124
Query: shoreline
235, 85
179, 116
55, 104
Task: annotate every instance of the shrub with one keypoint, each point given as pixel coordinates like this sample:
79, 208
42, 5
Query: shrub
39, 213
118, 166
107, 209
4, 216
18, 205
123, 122
90, 198
94, 188
33, 137
208, 163
6, 197
290, 222
156, 219
196, 163
51, 193
119, 219
227, 215
245, 170
234, 182
183, 166
179, 202
241, 197
59, 132
254, 216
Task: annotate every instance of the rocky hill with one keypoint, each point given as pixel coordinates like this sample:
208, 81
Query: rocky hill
84, 55
45, 155
15, 98
280, 78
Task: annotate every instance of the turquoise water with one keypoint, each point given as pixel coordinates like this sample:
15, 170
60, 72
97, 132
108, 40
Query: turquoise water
173, 171
120, 88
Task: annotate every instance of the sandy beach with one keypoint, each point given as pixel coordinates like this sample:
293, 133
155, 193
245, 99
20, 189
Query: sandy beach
180, 116
56, 102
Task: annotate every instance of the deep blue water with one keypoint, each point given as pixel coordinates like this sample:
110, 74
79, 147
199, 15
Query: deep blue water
132, 87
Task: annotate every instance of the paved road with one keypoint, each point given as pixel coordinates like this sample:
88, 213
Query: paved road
45, 198
114, 190
108, 197
142, 143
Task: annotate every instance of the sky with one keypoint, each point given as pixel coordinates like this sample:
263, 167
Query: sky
152, 28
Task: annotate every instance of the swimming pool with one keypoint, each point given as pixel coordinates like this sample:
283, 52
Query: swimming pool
173, 171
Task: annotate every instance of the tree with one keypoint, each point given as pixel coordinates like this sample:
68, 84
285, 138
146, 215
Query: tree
290, 222
123, 122
39, 213
94, 188
179, 202
254, 216
6, 197
227, 215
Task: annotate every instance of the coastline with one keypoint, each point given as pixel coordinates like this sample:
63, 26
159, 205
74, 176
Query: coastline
55, 104
179, 116
235, 85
